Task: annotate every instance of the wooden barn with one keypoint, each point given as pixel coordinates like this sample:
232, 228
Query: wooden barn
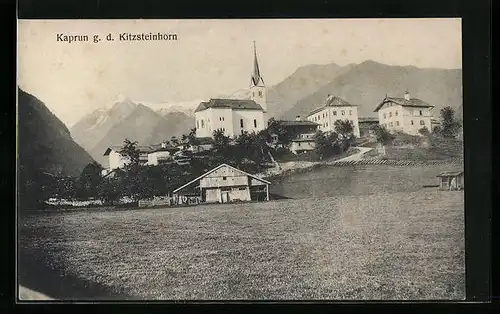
224, 184
451, 180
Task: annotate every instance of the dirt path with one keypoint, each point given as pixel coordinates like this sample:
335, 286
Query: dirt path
356, 156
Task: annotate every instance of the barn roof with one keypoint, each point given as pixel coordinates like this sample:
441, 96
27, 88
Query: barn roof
413, 102
450, 173
234, 104
216, 168
332, 101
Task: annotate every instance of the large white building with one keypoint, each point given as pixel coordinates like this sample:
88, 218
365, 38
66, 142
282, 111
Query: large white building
406, 114
235, 116
334, 109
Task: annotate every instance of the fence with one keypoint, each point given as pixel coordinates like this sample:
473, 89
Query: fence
170, 201
400, 163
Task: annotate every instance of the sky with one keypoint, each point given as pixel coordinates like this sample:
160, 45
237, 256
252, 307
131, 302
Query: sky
210, 57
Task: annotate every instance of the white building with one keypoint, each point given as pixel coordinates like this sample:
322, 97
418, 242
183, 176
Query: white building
235, 116
117, 160
334, 109
406, 114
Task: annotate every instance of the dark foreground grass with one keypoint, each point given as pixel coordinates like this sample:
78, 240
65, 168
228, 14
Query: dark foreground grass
398, 246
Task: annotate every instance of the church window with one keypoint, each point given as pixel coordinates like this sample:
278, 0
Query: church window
411, 122
222, 118
202, 123
420, 112
396, 113
260, 93
334, 113
343, 112
254, 123
241, 122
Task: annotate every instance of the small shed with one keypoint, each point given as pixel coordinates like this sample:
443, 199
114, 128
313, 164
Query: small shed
224, 184
451, 180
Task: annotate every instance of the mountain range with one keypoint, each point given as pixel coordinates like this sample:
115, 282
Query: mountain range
363, 85
127, 119
45, 143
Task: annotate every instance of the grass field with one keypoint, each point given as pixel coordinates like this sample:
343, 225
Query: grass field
400, 245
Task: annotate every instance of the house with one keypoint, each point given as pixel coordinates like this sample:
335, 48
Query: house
451, 180
365, 125
224, 184
235, 116
160, 153
406, 114
334, 109
204, 144
117, 160
303, 134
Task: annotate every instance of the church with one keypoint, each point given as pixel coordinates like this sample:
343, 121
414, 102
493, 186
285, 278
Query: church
235, 116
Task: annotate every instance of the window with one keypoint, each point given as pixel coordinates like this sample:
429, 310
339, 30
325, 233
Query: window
241, 122
390, 114
350, 112
343, 112
197, 124
390, 124
260, 93
254, 123
220, 118
396, 113
298, 144
420, 112
242, 189
327, 124
422, 122
411, 122
384, 115
224, 178
326, 113
202, 123
334, 113
253, 94
397, 123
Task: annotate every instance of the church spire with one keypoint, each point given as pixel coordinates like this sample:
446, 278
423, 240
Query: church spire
256, 78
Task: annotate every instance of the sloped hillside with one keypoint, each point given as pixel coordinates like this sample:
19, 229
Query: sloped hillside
44, 142
367, 84
303, 82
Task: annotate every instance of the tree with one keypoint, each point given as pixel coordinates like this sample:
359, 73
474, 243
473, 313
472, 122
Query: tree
174, 140
192, 139
424, 131
326, 145
450, 126
89, 180
130, 151
382, 135
345, 130
283, 134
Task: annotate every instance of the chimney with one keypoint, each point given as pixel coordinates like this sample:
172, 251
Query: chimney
297, 118
407, 95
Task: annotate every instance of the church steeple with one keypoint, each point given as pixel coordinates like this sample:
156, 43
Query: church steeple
258, 92
256, 79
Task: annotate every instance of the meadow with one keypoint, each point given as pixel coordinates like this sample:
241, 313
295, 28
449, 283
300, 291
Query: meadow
396, 241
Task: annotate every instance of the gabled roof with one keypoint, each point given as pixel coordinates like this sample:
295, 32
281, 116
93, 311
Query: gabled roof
332, 101
118, 148
450, 173
234, 104
215, 169
297, 123
367, 119
413, 102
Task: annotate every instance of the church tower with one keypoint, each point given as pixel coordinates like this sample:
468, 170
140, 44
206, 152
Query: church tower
258, 92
